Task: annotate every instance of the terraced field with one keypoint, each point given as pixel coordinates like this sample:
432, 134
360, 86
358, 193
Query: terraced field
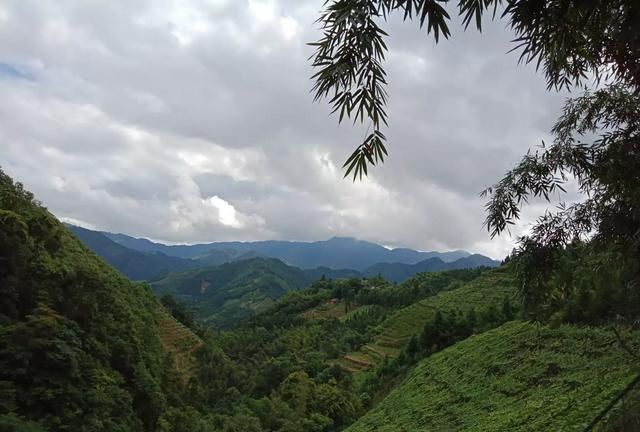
180, 341
329, 310
479, 294
517, 377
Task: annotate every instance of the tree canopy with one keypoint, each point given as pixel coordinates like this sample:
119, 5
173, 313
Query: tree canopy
590, 47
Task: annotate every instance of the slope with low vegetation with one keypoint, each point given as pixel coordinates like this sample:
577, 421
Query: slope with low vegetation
518, 377
485, 294
180, 342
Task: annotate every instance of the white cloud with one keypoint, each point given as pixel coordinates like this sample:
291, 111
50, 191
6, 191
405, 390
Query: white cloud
192, 121
226, 212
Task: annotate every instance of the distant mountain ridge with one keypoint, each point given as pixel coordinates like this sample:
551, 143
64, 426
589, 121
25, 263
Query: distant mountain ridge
399, 272
134, 264
336, 258
335, 253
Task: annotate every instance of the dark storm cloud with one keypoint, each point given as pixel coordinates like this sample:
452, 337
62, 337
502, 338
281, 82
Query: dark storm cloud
192, 121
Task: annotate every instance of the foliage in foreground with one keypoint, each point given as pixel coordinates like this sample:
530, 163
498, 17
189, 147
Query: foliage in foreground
596, 139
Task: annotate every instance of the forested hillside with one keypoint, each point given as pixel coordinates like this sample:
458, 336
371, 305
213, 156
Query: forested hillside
484, 297
80, 345
223, 295
183, 121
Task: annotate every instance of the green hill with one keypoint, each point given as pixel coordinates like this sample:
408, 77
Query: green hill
223, 295
81, 346
517, 377
487, 291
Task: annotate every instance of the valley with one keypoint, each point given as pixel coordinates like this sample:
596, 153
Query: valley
224, 283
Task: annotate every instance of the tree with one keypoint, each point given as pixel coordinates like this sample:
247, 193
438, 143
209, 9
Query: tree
412, 348
179, 311
596, 139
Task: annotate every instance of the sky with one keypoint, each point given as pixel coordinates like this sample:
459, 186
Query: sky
192, 121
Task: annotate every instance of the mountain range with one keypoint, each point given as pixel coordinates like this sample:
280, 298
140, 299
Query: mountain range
134, 264
338, 257
335, 253
224, 283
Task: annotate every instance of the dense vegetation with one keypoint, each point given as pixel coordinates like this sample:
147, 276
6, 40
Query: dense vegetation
479, 300
238, 283
223, 295
579, 263
82, 348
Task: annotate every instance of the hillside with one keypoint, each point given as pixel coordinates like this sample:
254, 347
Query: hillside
133, 264
81, 347
487, 291
518, 377
223, 295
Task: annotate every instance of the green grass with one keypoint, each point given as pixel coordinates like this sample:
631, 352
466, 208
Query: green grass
488, 289
517, 377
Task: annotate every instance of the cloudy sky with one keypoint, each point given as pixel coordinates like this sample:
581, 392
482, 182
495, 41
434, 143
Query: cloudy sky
192, 121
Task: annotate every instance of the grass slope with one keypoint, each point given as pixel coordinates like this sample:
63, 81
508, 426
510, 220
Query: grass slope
514, 378
223, 295
487, 290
